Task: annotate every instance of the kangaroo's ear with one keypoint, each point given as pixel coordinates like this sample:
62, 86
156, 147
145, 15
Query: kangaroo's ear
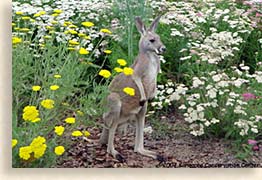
140, 25
154, 24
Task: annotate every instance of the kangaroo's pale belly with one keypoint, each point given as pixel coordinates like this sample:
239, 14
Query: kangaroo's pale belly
149, 81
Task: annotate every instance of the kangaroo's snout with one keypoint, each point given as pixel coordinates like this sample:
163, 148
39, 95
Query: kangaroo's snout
162, 49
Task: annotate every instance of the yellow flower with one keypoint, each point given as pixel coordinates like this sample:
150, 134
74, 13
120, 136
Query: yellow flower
30, 113
83, 51
24, 152
38, 146
121, 62
87, 37
37, 140
49, 27
57, 76
16, 40
80, 113
87, 24
117, 69
81, 34
130, 91
24, 29
42, 45
72, 31
105, 31
47, 37
72, 26
66, 23
40, 151
107, 51
73, 42
58, 11
77, 133
70, 120
37, 15
48, 103
128, 71
59, 150
86, 133
59, 130
54, 22
54, 87
14, 142
36, 88
55, 14
105, 73
13, 24
42, 12
25, 18
36, 120
19, 12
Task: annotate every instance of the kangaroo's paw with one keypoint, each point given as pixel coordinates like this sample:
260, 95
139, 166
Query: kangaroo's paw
142, 102
160, 158
120, 158
117, 155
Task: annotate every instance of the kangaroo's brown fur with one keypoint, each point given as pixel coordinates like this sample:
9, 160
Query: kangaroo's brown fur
122, 107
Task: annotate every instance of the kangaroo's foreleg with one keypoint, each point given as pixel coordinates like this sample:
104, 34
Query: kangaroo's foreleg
140, 86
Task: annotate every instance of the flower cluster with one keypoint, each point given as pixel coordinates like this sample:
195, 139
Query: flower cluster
59, 150
219, 96
59, 130
210, 95
37, 147
30, 113
105, 73
48, 103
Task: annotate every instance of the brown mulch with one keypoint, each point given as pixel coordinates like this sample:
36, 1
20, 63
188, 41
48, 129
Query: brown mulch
179, 149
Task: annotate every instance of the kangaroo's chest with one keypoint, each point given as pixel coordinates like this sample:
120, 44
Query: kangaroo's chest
150, 76
152, 68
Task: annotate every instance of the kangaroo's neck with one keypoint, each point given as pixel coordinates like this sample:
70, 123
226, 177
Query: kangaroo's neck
149, 56
146, 60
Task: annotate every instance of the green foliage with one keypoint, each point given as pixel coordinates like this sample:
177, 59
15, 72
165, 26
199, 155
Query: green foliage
125, 12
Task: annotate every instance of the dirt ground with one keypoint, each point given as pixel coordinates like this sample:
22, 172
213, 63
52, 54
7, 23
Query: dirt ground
179, 149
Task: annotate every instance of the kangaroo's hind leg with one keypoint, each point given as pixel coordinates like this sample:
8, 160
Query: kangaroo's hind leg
113, 112
111, 121
139, 140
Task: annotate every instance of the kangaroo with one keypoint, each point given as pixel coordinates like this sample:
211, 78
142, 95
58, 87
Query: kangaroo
121, 107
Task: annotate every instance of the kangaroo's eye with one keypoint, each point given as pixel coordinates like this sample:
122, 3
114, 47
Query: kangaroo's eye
152, 40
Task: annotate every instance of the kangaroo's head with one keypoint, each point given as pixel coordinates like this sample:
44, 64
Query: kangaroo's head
149, 41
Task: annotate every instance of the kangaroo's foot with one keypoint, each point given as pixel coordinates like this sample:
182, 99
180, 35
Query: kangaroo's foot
116, 155
149, 153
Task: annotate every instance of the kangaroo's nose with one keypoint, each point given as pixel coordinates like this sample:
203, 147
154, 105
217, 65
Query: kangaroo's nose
163, 49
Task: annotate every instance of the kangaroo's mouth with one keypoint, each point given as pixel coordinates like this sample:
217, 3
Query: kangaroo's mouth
157, 52
160, 50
